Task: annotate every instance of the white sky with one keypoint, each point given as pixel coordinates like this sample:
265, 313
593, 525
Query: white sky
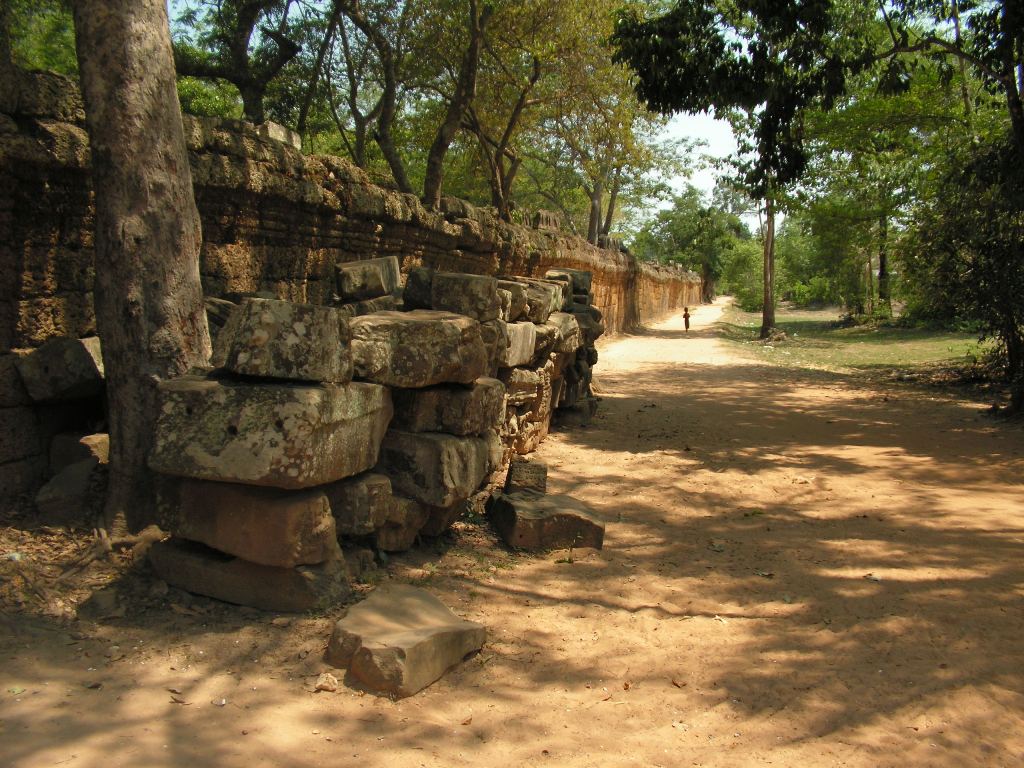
716, 135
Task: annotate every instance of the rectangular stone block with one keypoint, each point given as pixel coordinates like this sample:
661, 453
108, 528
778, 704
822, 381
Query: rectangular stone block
367, 279
521, 385
526, 475
279, 435
418, 348
406, 519
451, 408
533, 521
475, 296
360, 504
581, 279
568, 331
12, 390
262, 525
19, 434
68, 448
63, 369
417, 290
522, 344
369, 306
505, 302
519, 305
73, 496
22, 476
495, 336
204, 571
281, 340
434, 468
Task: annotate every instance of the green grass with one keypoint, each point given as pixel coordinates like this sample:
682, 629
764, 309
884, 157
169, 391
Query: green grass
814, 340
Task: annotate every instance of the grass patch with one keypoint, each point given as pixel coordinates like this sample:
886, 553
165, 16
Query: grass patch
815, 340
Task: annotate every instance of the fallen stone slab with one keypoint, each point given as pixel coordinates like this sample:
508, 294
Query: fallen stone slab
405, 521
279, 435
63, 369
434, 468
367, 279
281, 340
581, 279
495, 336
417, 348
73, 495
590, 329
522, 345
369, 306
416, 293
267, 526
569, 338
201, 570
440, 519
453, 408
547, 337
534, 521
360, 504
475, 296
526, 475
519, 304
521, 385
400, 640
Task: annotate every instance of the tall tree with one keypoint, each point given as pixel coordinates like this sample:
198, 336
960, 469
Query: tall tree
149, 303
769, 61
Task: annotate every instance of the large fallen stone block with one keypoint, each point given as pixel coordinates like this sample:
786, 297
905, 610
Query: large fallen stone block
568, 331
441, 519
368, 279
581, 279
475, 296
63, 369
521, 385
67, 448
280, 435
434, 468
416, 293
262, 525
281, 340
522, 344
74, 495
531, 520
590, 329
452, 408
519, 304
360, 504
204, 571
405, 521
418, 348
526, 475
496, 340
400, 640
505, 302
368, 306
547, 337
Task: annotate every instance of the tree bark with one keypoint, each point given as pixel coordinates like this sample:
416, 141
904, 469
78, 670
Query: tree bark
465, 90
884, 293
594, 222
149, 302
613, 196
768, 310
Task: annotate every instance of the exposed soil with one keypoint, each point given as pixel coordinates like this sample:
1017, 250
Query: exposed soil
799, 569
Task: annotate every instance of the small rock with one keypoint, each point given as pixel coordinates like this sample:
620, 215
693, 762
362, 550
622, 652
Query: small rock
327, 682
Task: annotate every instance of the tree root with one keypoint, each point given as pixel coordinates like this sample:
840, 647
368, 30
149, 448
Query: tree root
103, 546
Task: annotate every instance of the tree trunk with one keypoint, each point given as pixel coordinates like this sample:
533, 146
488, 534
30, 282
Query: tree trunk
465, 90
613, 195
884, 292
594, 224
768, 311
149, 302
252, 101
321, 54
6, 52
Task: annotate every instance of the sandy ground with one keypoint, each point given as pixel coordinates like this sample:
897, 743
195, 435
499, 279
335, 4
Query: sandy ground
798, 570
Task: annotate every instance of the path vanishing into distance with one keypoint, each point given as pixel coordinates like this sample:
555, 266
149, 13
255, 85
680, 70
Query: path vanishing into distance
799, 569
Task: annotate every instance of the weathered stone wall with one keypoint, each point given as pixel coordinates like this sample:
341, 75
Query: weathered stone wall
273, 221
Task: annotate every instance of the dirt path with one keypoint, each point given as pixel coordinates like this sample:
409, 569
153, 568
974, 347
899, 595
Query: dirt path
797, 571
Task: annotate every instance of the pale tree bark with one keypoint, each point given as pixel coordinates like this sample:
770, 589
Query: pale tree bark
149, 302
768, 310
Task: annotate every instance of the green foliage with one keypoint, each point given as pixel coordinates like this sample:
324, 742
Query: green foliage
742, 275
208, 99
967, 259
43, 35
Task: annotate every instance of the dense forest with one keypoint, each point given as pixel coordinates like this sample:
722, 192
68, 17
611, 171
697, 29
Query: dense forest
880, 159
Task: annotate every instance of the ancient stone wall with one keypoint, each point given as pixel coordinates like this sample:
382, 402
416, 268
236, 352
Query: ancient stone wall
274, 222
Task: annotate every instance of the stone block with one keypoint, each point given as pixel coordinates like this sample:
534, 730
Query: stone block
440, 519
63, 369
68, 448
547, 337
400, 640
522, 344
199, 569
360, 504
526, 475
475, 296
12, 390
367, 279
418, 348
267, 526
434, 468
520, 385
519, 303
530, 520
452, 408
505, 304
405, 520
580, 279
279, 435
281, 340
74, 495
568, 331
369, 306
22, 476
495, 336
19, 434
278, 132
590, 329
417, 291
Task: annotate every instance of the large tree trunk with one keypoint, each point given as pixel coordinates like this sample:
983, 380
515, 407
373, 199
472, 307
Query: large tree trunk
318, 64
465, 91
884, 292
768, 311
149, 303
596, 194
613, 197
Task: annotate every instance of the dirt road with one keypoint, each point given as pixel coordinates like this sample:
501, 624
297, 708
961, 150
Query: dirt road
798, 570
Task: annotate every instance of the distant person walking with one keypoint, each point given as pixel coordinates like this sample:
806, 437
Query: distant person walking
686, 317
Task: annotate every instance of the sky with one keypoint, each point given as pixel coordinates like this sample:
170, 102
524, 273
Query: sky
716, 135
